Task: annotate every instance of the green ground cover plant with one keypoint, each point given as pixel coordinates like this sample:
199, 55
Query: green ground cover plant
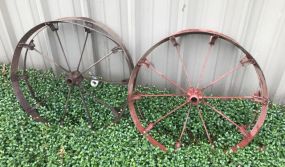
24, 142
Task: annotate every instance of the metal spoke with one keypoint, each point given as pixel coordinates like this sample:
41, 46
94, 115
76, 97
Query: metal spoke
161, 95
66, 104
139, 95
151, 125
30, 87
122, 82
165, 77
61, 46
204, 125
102, 102
140, 112
25, 76
110, 53
240, 128
84, 45
202, 71
178, 143
178, 54
231, 71
229, 97
115, 113
50, 60
87, 112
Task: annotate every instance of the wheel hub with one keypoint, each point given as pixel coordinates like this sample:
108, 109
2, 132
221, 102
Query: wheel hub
74, 78
194, 95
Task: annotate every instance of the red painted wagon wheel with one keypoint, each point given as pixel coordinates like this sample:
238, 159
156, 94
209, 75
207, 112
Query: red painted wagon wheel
195, 97
77, 67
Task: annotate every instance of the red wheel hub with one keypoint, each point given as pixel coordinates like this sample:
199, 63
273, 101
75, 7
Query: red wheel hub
194, 95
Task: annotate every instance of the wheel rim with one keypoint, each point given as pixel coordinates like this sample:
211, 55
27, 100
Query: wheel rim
73, 76
194, 95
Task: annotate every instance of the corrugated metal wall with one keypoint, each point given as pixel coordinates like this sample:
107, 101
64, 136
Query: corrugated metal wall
257, 24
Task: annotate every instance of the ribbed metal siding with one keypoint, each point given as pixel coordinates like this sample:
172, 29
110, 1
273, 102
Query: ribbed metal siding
257, 24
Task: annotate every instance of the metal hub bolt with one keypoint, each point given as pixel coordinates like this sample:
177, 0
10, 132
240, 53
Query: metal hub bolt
74, 78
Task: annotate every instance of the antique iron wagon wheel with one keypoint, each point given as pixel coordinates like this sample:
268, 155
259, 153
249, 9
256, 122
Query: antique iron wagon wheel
82, 54
206, 72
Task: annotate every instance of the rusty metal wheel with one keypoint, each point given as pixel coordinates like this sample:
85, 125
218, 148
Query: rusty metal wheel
200, 76
81, 54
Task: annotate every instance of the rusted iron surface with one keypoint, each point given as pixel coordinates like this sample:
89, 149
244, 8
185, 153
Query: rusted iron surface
73, 77
194, 95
